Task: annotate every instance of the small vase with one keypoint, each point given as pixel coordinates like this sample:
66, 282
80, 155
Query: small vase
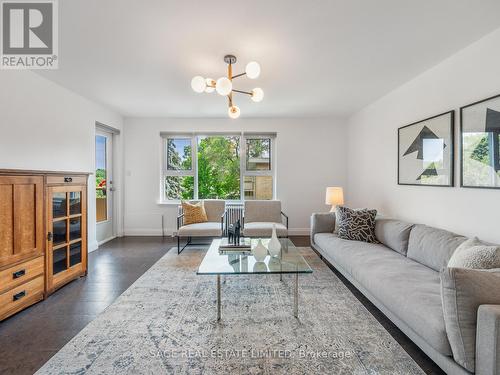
259, 251
274, 245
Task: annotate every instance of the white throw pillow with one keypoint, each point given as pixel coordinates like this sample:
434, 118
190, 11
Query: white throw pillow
476, 255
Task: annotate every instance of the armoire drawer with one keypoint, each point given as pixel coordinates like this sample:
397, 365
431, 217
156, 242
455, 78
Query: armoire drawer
19, 274
21, 297
66, 180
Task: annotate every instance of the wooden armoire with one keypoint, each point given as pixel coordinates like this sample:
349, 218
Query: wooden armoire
43, 235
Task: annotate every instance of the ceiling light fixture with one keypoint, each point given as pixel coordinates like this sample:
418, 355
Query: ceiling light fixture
224, 85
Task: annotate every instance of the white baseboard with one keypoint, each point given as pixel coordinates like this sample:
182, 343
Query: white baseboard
171, 231
147, 232
106, 240
93, 246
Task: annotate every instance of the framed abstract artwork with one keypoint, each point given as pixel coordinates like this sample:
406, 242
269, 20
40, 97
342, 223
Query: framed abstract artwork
425, 151
479, 144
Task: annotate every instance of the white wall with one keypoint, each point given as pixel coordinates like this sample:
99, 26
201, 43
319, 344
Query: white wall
310, 157
466, 77
44, 126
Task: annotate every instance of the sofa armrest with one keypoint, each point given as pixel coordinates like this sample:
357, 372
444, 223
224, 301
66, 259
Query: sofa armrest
322, 223
488, 340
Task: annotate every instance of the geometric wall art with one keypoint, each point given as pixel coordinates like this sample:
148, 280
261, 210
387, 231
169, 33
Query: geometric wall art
479, 144
425, 151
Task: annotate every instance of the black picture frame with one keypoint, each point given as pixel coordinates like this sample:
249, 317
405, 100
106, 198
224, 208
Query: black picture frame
461, 144
452, 149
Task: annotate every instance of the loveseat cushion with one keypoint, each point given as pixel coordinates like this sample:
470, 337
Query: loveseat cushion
432, 247
208, 229
464, 290
394, 234
408, 289
264, 229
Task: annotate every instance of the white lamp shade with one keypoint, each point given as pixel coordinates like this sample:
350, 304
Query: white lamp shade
252, 70
234, 112
334, 196
198, 84
223, 86
210, 85
257, 94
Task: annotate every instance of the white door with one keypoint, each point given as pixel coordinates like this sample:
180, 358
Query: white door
104, 185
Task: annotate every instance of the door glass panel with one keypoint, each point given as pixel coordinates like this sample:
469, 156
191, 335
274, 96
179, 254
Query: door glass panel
75, 203
74, 228
59, 232
59, 260
58, 204
75, 253
101, 178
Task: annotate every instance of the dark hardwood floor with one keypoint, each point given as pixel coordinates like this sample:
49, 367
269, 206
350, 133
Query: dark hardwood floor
29, 338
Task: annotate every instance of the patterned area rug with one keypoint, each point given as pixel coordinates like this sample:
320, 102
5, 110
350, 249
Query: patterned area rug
165, 323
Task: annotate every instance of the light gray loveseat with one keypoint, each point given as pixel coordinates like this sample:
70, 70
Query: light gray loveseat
401, 277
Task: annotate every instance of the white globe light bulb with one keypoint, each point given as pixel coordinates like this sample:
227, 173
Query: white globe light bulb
252, 70
257, 94
223, 86
210, 85
198, 84
234, 112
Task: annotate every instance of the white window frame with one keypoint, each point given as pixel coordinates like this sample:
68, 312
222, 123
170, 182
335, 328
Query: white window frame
194, 165
243, 159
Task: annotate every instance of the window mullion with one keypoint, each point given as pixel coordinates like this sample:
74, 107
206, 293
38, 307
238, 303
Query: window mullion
243, 164
194, 164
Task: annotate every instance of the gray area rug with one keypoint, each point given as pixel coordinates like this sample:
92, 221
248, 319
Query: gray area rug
165, 323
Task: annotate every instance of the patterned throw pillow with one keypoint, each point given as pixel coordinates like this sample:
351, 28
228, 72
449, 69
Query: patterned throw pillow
194, 213
357, 225
475, 254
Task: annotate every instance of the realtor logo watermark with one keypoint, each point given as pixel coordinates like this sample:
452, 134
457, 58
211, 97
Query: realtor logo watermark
29, 34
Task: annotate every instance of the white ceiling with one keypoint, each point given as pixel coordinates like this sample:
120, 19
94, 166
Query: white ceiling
318, 58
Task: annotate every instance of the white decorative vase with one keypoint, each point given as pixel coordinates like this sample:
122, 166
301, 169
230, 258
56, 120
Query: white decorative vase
259, 251
274, 245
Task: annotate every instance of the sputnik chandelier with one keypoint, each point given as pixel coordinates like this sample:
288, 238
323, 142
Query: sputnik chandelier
224, 85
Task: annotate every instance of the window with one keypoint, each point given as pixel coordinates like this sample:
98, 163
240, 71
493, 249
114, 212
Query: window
217, 166
258, 169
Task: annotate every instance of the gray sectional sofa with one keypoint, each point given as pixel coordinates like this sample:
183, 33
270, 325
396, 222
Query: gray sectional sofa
401, 277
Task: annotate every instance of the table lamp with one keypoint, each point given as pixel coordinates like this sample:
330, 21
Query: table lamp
334, 197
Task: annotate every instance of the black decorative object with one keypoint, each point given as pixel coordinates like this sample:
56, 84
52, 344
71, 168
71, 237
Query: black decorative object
234, 233
480, 144
425, 151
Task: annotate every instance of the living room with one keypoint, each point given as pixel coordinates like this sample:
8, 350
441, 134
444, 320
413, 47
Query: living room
263, 187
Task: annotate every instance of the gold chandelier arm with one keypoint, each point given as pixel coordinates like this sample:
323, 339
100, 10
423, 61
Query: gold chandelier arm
238, 75
243, 92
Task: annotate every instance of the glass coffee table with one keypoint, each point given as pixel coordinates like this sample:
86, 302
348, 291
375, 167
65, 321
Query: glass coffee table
231, 262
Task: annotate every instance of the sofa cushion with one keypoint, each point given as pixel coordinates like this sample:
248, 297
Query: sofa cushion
475, 254
432, 247
393, 234
408, 289
264, 229
358, 225
208, 229
464, 290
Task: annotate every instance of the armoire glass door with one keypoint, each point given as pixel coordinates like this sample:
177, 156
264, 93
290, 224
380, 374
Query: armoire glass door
66, 229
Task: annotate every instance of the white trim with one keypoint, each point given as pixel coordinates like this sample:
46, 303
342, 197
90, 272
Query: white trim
106, 240
195, 136
92, 246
